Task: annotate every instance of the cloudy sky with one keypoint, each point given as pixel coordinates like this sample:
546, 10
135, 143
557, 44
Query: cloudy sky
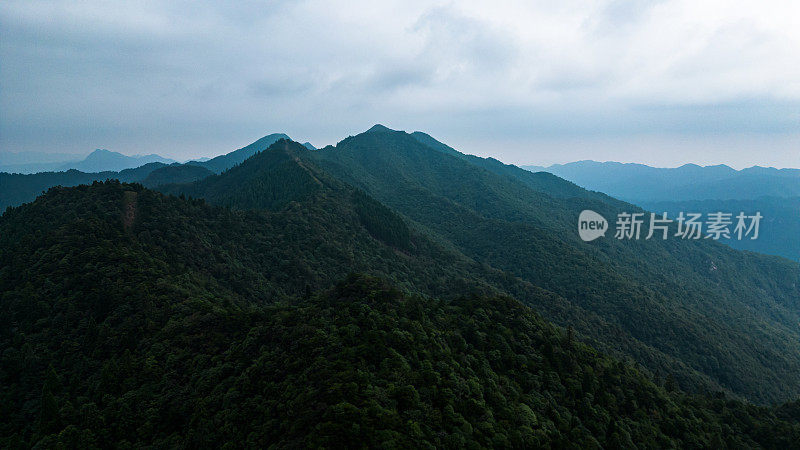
529, 82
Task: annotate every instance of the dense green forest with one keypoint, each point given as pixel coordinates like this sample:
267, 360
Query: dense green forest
733, 328
736, 324
123, 334
224, 162
175, 173
16, 188
224, 311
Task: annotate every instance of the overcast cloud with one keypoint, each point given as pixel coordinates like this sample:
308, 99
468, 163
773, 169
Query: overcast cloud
539, 82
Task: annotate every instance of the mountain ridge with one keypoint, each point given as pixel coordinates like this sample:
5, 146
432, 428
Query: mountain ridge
224, 162
494, 214
484, 210
102, 160
181, 323
642, 183
17, 188
380, 291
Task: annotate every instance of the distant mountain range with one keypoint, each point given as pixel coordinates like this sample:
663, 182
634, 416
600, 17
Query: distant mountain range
695, 189
32, 162
639, 183
100, 160
779, 229
386, 291
17, 188
686, 188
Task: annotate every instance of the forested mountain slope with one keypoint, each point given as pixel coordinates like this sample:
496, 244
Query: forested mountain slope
175, 174
729, 315
269, 180
138, 320
16, 188
540, 181
224, 162
284, 173
269, 254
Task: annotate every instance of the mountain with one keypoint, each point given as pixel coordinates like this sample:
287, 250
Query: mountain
694, 189
778, 229
639, 183
328, 228
99, 160
138, 319
32, 162
541, 181
268, 180
666, 304
383, 290
176, 174
104, 161
309, 146
396, 166
16, 188
224, 162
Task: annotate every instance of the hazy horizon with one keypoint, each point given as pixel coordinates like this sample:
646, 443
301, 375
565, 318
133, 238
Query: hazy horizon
594, 153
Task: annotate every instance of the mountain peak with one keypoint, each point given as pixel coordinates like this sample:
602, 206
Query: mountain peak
287, 146
102, 160
378, 128
269, 179
101, 152
228, 160
270, 139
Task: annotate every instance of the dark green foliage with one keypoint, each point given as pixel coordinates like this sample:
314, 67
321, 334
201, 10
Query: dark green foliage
16, 189
176, 174
381, 221
266, 255
733, 328
269, 180
224, 162
656, 302
539, 181
358, 365
282, 174
136, 319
